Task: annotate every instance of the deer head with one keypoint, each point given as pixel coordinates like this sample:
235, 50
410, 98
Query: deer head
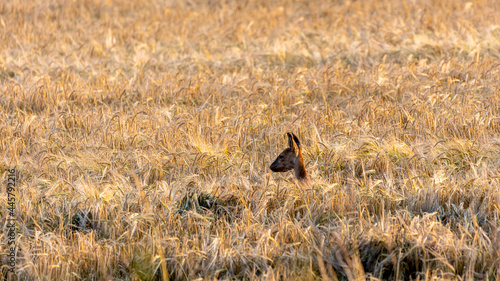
291, 158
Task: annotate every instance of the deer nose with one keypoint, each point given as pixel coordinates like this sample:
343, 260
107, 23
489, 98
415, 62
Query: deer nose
273, 166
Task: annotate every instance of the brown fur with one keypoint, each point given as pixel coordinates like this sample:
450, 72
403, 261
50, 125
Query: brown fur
291, 159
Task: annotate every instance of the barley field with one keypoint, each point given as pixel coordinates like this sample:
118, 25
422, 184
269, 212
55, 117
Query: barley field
142, 133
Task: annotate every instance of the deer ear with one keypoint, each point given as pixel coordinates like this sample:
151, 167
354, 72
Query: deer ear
290, 140
296, 140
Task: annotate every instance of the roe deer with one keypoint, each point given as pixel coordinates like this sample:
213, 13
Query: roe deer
291, 158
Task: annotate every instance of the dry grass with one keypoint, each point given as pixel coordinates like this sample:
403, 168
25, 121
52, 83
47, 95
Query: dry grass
143, 132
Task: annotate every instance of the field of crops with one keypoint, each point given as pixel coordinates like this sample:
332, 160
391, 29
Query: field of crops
142, 132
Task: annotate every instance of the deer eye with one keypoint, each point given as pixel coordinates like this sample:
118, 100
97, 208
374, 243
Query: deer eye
280, 157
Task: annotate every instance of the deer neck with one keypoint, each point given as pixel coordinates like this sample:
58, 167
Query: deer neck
300, 168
